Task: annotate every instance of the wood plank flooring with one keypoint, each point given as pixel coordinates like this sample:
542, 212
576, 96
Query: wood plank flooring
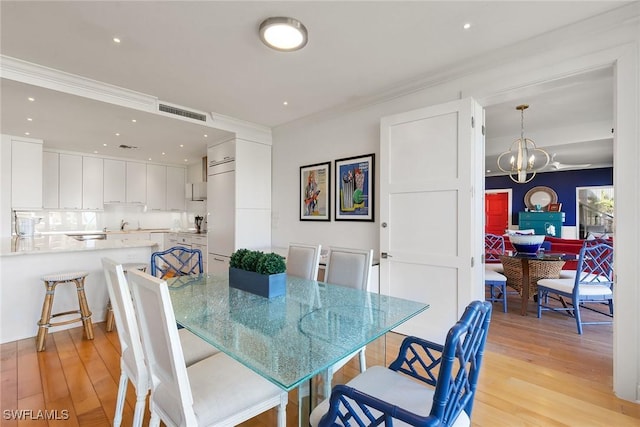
536, 372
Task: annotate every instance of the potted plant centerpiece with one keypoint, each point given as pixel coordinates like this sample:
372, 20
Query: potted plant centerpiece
258, 273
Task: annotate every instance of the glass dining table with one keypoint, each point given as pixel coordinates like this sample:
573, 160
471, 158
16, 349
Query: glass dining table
288, 339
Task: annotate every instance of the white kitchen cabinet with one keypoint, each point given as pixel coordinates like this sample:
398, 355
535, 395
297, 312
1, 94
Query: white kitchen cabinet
156, 187
50, 179
114, 181
70, 191
238, 196
128, 236
200, 242
175, 188
136, 183
26, 173
92, 183
217, 263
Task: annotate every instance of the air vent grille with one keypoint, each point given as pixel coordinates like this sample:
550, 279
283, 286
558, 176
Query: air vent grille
184, 113
127, 147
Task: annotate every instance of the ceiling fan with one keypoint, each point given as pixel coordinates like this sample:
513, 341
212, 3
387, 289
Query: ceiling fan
554, 164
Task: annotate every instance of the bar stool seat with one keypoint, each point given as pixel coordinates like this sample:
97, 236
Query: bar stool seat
50, 283
127, 266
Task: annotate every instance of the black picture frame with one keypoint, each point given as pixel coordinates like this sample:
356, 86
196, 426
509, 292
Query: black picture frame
354, 193
315, 192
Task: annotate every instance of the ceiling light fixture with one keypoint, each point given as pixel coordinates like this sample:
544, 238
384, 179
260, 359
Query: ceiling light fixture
116, 40
31, 99
466, 26
283, 34
522, 156
29, 119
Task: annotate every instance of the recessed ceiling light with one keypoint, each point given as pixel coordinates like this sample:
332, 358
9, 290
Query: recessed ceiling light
206, 136
466, 26
134, 120
95, 151
149, 158
186, 160
488, 170
163, 153
285, 103
117, 134
181, 145
282, 33
104, 145
31, 99
27, 133
29, 119
116, 40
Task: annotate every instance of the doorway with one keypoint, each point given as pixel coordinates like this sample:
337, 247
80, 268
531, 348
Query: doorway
497, 211
595, 211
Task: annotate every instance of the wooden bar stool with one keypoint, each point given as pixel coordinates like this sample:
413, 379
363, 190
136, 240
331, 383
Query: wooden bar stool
128, 266
50, 283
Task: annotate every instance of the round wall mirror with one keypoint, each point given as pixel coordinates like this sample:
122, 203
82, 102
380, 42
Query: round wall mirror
541, 196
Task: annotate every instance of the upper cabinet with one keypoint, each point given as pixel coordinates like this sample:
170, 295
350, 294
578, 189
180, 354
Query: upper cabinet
26, 173
156, 187
70, 191
136, 183
175, 188
50, 179
114, 181
92, 183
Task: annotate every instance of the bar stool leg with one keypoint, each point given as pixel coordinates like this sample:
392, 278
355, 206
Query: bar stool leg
110, 318
43, 323
85, 313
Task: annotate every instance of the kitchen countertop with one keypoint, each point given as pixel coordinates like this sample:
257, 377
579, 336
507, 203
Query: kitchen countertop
57, 243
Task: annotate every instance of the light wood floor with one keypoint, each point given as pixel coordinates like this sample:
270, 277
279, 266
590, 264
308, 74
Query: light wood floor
536, 372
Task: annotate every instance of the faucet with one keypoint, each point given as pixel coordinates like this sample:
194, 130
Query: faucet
123, 224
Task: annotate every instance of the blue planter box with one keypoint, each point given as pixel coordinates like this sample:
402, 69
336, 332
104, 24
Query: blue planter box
269, 286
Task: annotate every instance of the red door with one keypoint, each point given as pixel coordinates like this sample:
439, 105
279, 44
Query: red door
496, 212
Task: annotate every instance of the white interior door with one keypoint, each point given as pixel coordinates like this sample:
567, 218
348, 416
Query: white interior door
431, 193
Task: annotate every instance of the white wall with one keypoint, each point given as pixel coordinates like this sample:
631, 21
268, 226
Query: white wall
610, 40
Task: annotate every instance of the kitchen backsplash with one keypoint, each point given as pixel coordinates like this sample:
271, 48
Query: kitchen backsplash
111, 217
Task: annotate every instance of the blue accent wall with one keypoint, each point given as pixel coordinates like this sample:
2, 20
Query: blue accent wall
564, 183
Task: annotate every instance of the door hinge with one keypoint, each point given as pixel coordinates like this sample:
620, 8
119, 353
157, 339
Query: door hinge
482, 130
473, 122
472, 262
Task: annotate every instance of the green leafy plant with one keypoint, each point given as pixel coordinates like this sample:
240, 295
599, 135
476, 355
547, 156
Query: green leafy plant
236, 258
250, 260
257, 261
271, 264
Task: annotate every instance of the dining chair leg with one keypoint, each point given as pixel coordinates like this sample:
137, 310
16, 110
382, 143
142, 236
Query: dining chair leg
138, 412
576, 313
282, 413
155, 419
363, 360
122, 392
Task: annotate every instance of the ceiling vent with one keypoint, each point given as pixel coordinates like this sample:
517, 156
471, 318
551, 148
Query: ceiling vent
183, 113
127, 147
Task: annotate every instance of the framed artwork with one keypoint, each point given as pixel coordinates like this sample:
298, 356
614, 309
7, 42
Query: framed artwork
315, 192
554, 207
354, 178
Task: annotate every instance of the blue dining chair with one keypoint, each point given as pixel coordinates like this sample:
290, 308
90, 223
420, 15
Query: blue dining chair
495, 281
592, 283
443, 395
176, 261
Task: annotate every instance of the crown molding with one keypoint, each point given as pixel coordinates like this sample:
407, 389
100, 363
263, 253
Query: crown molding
38, 75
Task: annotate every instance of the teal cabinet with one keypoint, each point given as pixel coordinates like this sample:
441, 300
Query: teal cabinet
548, 223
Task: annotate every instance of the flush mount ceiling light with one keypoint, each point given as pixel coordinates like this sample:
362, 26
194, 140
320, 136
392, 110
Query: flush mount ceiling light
522, 156
284, 34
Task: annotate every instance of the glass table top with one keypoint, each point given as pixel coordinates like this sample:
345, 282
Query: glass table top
286, 339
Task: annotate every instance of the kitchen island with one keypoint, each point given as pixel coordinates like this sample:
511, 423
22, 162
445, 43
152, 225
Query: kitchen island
24, 260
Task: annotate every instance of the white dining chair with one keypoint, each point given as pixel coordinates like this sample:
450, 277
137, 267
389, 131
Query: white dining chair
215, 391
303, 260
350, 268
132, 361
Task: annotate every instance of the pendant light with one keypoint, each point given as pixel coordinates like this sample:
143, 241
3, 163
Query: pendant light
521, 157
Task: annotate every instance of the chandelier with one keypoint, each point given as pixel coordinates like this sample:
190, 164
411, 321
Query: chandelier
521, 165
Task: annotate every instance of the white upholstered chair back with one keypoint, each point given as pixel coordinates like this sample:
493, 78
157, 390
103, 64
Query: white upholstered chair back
349, 267
303, 260
162, 348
